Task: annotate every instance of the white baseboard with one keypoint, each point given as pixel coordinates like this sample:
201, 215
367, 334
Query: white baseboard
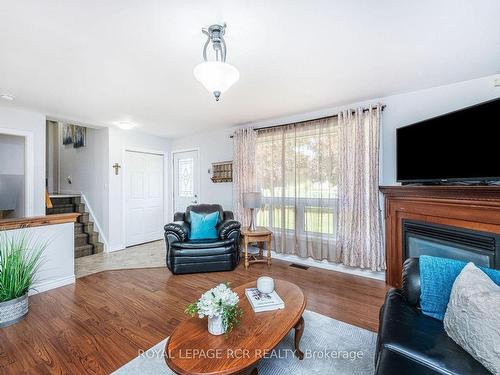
115, 247
329, 266
51, 284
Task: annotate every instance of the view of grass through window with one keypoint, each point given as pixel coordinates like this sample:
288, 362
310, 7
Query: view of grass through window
319, 220
316, 219
278, 219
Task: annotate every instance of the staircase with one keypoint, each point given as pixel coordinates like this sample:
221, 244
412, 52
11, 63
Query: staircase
86, 238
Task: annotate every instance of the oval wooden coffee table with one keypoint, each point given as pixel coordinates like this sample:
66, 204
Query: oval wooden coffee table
192, 350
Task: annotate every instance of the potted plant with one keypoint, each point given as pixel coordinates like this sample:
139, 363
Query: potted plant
220, 305
20, 258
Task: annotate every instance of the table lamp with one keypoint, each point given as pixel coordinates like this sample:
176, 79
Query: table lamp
252, 201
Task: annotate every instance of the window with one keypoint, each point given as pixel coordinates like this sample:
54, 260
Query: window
319, 220
186, 177
281, 218
297, 174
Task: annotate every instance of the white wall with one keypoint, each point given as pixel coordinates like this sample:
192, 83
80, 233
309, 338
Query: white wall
87, 167
119, 142
52, 156
12, 153
15, 121
57, 268
213, 146
401, 110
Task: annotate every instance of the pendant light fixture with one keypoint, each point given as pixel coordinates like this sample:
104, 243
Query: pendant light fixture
216, 75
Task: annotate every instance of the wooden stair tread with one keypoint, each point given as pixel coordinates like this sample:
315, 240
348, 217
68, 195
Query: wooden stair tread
86, 238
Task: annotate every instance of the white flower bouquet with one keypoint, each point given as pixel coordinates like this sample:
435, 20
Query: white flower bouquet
219, 304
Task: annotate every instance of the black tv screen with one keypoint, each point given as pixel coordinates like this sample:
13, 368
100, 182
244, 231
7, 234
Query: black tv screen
458, 146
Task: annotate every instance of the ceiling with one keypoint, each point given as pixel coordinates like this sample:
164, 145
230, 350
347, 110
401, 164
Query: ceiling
97, 62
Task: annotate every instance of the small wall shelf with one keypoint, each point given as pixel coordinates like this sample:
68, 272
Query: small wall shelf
222, 171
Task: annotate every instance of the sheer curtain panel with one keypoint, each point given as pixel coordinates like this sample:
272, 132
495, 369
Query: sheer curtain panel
243, 171
319, 183
360, 238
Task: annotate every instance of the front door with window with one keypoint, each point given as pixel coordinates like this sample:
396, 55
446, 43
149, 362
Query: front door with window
186, 179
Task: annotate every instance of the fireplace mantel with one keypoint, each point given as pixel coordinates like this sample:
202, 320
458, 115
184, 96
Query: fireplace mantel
472, 207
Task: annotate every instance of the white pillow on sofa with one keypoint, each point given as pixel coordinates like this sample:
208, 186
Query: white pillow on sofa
472, 317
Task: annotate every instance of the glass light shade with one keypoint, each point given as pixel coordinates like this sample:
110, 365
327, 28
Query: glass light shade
125, 125
216, 76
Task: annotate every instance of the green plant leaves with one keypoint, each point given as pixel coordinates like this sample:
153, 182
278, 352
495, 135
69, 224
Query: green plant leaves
20, 259
231, 317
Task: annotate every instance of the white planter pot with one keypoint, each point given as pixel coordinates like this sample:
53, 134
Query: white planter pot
215, 326
13, 311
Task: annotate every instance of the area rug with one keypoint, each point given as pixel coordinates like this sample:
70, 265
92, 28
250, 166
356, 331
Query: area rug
330, 347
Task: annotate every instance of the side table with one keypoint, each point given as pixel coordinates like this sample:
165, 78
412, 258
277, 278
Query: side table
260, 235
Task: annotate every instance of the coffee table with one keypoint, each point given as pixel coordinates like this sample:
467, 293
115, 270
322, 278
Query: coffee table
192, 350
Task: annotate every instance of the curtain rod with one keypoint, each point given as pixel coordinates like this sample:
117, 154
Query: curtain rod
314, 119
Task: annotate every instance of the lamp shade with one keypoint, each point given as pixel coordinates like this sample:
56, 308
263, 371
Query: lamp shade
216, 76
252, 200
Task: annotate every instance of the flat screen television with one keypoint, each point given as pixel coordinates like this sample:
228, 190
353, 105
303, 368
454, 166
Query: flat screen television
459, 146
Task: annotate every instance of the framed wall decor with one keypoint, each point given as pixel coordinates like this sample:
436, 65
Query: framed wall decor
67, 134
222, 171
80, 136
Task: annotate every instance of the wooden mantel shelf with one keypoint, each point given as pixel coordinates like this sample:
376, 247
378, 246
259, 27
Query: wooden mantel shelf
37, 221
471, 207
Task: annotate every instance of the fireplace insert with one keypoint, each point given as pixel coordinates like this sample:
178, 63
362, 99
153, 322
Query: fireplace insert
481, 248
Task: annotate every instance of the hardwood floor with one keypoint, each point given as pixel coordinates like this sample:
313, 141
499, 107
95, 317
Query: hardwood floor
101, 322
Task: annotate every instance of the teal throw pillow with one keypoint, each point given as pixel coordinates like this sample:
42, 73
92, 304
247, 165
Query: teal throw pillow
203, 227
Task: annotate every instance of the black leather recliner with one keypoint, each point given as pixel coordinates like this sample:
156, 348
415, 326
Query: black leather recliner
190, 256
412, 343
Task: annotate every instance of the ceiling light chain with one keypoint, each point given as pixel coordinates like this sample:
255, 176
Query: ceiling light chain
215, 34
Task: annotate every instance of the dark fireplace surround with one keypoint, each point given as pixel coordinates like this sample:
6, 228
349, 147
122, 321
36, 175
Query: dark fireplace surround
461, 222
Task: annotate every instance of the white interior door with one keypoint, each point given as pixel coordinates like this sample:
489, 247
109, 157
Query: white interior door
144, 197
186, 179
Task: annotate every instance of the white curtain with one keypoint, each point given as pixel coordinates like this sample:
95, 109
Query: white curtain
319, 181
359, 235
296, 172
243, 171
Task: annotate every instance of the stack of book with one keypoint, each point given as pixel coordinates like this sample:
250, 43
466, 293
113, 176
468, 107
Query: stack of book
264, 302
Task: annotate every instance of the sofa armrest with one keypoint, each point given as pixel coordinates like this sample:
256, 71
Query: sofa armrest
179, 216
410, 287
178, 230
228, 215
227, 227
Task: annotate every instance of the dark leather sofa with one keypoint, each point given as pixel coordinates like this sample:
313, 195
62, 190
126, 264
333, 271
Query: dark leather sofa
412, 343
191, 256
